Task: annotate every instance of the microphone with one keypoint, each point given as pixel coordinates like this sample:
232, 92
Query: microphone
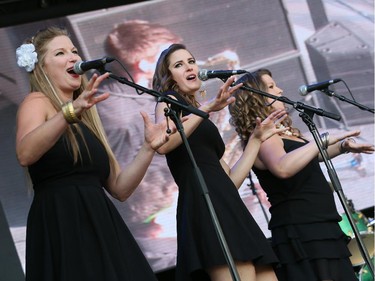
81, 67
305, 89
205, 74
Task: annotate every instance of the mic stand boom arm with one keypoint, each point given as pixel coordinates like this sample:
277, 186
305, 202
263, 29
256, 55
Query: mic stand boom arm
343, 98
188, 108
307, 113
297, 105
174, 116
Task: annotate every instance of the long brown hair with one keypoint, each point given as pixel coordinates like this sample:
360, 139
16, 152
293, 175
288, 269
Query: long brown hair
248, 106
163, 81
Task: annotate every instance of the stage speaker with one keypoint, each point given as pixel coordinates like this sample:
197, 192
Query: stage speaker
336, 52
10, 265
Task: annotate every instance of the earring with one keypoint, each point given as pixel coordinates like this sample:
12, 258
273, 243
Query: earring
203, 91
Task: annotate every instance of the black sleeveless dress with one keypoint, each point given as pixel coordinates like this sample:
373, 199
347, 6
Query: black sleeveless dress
306, 235
74, 232
198, 244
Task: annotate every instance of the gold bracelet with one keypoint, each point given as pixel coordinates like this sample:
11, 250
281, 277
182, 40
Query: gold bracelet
69, 114
72, 113
66, 114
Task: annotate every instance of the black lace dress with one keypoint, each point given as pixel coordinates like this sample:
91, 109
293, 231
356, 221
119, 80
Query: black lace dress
198, 244
74, 232
306, 235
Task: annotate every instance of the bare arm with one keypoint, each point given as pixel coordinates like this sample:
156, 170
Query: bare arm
344, 142
122, 184
38, 128
273, 157
262, 132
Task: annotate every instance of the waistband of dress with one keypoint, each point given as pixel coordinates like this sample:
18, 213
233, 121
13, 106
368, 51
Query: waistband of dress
82, 180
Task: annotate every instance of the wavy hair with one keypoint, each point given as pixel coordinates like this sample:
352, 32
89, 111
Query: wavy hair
248, 106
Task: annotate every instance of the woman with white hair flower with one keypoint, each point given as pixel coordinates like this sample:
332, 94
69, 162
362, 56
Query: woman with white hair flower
74, 232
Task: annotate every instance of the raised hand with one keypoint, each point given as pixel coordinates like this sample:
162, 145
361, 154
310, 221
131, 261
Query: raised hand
156, 134
88, 98
224, 97
267, 128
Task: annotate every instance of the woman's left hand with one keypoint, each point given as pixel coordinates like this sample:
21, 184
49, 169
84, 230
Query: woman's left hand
350, 145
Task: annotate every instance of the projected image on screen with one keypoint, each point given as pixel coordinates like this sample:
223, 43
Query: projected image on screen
236, 35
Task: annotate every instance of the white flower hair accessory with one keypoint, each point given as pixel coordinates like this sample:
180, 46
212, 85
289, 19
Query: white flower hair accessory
27, 57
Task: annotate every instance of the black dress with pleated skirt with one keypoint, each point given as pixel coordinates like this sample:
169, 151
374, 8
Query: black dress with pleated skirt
306, 235
74, 232
198, 244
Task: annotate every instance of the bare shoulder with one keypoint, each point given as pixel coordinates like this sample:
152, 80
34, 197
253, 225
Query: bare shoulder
36, 99
36, 103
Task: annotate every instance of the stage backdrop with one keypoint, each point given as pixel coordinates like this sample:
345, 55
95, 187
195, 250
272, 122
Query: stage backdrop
278, 35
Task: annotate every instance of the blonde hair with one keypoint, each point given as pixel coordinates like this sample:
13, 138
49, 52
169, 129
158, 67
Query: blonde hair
39, 82
248, 106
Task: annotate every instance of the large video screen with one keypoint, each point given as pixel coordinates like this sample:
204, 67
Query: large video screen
283, 36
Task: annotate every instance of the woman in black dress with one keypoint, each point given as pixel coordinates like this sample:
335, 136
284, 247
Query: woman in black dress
306, 235
199, 252
74, 232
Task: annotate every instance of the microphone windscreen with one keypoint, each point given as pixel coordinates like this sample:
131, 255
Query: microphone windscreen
303, 90
202, 74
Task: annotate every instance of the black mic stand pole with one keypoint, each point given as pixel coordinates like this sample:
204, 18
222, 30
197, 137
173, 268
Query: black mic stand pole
255, 193
188, 108
172, 114
307, 113
307, 118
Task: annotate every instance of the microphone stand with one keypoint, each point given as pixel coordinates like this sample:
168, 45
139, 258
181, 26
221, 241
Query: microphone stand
252, 187
306, 113
174, 116
188, 108
331, 93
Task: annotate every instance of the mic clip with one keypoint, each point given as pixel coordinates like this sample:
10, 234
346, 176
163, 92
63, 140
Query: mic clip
327, 91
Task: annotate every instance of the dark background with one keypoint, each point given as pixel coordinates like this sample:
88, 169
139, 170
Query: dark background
14, 12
